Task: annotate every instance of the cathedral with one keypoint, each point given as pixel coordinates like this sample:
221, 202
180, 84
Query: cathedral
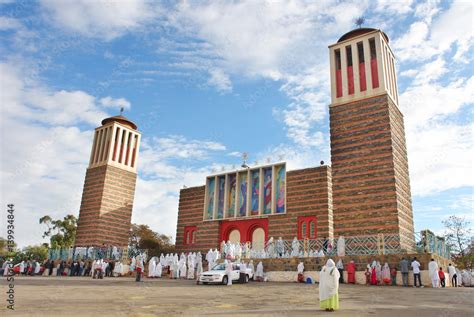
365, 190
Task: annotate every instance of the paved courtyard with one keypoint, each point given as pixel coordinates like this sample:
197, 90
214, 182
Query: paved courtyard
73, 296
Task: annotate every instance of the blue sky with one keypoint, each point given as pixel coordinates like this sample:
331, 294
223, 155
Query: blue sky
206, 81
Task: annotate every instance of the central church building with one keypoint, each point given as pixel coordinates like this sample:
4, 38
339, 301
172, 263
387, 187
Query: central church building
365, 191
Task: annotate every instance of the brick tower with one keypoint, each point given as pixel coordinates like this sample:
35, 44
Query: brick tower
109, 187
371, 184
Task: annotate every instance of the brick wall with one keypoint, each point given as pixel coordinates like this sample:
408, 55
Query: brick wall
106, 207
308, 194
371, 191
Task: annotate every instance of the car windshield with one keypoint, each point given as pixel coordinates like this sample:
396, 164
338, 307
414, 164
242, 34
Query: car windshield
219, 267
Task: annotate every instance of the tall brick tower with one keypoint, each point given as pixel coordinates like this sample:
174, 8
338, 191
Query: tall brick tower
109, 187
371, 185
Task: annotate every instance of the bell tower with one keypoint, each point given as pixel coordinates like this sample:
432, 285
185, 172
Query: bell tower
109, 187
371, 184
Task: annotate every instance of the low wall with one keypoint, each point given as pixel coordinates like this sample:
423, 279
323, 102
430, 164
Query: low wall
287, 276
316, 263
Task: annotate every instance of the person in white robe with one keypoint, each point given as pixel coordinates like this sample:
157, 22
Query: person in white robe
223, 249
216, 255
271, 248
238, 251
329, 287
182, 268
151, 267
6, 267
300, 272
251, 266
209, 256
22, 267
191, 267
37, 268
104, 265
162, 260
386, 274
228, 272
341, 246
280, 247
158, 270
133, 264
295, 248
433, 272
259, 272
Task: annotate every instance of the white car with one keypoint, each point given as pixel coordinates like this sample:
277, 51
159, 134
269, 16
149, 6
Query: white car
218, 275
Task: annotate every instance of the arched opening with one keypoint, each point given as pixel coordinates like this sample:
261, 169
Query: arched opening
258, 239
234, 236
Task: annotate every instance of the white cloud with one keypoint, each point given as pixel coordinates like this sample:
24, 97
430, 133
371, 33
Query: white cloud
110, 102
433, 36
398, 7
7, 23
220, 80
103, 19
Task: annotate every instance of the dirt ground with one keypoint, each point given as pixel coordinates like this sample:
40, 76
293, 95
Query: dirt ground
80, 296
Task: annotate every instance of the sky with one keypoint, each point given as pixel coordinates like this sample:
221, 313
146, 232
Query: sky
207, 81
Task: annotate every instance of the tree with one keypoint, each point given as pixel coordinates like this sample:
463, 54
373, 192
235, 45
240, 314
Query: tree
36, 252
458, 237
62, 233
142, 237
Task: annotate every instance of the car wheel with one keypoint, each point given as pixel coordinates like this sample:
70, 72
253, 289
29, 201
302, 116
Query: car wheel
224, 280
205, 283
246, 278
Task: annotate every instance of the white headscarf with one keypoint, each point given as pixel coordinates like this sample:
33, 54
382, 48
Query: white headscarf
259, 272
300, 268
328, 281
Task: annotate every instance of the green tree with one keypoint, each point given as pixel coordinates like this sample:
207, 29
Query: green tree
62, 233
36, 252
458, 236
142, 237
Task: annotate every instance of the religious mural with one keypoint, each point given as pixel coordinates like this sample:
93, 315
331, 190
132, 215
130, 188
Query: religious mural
261, 189
231, 199
243, 194
267, 191
210, 198
280, 188
255, 192
220, 202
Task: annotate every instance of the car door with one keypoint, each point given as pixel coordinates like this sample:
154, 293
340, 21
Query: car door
235, 272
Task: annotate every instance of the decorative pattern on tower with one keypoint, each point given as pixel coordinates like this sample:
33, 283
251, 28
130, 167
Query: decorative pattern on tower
371, 185
109, 187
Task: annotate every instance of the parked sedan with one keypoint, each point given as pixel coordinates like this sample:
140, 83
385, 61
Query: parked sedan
218, 275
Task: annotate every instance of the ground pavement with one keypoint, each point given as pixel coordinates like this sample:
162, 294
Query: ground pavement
80, 296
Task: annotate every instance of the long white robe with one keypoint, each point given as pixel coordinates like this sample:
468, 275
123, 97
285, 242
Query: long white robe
259, 272
158, 270
341, 246
37, 268
182, 268
328, 281
433, 271
300, 268
295, 248
228, 271
151, 268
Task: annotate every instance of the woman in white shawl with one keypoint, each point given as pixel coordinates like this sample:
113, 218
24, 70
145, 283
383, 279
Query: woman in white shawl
152, 267
386, 274
341, 246
329, 287
158, 270
228, 271
259, 272
182, 267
